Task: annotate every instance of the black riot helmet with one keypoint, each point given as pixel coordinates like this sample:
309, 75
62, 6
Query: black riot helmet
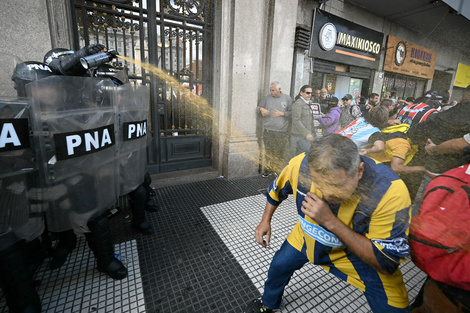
55, 54
119, 77
27, 72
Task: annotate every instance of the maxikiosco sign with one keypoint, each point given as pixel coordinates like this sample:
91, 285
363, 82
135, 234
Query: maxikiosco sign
339, 40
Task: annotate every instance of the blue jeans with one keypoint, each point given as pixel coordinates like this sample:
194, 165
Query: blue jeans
286, 261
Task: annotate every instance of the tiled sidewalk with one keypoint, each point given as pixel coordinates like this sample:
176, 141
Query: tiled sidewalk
202, 258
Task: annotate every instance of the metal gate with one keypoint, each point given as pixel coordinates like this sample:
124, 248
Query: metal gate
176, 37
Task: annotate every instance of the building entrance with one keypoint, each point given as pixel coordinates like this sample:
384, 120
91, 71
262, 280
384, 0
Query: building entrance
176, 37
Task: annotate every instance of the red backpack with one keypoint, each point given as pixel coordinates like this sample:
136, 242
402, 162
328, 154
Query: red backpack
440, 233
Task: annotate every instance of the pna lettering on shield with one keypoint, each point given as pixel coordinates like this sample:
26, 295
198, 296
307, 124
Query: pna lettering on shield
84, 142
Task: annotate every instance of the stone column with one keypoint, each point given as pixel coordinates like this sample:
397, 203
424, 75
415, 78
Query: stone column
60, 23
245, 63
282, 43
253, 45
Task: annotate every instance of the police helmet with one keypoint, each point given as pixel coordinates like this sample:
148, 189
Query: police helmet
119, 77
27, 72
56, 54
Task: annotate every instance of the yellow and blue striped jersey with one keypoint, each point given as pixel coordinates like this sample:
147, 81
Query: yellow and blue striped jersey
379, 209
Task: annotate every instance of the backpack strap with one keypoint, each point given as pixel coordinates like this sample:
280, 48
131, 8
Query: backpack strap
427, 243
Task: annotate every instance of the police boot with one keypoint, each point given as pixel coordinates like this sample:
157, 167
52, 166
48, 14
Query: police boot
67, 243
137, 200
150, 205
16, 280
100, 242
46, 244
35, 254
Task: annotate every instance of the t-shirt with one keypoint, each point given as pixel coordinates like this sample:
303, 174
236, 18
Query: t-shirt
398, 147
415, 113
282, 103
378, 209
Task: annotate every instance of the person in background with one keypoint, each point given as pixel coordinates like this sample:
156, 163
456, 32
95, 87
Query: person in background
365, 131
371, 102
415, 113
276, 110
361, 102
323, 99
443, 126
388, 104
330, 121
349, 111
316, 97
398, 151
302, 120
452, 146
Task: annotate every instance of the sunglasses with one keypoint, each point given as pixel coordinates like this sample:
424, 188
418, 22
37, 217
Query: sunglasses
308, 93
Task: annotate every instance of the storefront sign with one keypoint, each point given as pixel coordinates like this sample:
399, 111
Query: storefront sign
462, 77
339, 40
409, 59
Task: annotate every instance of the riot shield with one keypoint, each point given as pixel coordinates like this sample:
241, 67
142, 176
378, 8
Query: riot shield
18, 167
73, 120
132, 107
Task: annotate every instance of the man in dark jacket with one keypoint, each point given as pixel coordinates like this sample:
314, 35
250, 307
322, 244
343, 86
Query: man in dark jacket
302, 120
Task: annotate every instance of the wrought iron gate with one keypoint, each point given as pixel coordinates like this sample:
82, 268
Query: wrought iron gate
176, 36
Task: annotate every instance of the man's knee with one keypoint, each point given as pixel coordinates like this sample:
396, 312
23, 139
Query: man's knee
288, 258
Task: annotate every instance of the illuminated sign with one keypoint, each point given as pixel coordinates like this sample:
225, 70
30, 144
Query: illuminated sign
357, 43
338, 40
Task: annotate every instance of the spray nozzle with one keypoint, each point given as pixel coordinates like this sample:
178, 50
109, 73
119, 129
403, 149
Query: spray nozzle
98, 59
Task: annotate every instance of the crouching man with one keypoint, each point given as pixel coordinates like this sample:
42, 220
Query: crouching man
353, 221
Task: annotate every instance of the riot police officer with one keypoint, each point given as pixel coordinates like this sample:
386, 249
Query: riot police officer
21, 217
82, 208
132, 106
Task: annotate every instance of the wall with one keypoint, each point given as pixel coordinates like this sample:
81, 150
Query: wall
236, 72
25, 34
253, 46
282, 44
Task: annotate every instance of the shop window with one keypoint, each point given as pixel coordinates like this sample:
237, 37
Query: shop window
403, 86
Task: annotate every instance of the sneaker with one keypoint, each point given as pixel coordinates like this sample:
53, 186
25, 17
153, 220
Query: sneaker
257, 306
